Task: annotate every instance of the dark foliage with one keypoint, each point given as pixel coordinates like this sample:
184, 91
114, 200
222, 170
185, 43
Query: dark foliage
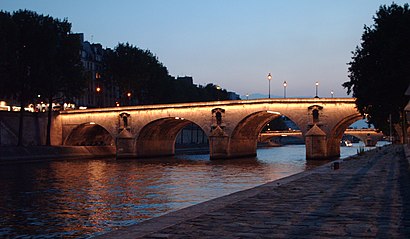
139, 72
38, 56
380, 68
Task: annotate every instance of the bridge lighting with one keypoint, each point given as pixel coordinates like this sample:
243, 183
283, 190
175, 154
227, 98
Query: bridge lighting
285, 84
272, 112
129, 94
92, 122
317, 86
269, 79
178, 118
331, 93
98, 89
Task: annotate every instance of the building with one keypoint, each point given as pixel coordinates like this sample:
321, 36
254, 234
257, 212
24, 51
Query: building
100, 92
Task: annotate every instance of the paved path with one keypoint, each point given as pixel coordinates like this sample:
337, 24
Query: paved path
369, 196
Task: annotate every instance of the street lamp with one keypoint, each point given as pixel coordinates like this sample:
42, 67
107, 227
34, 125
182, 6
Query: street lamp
98, 90
331, 93
218, 90
247, 96
317, 86
269, 79
129, 97
285, 84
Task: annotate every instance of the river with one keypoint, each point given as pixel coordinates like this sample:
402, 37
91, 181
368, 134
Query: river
84, 198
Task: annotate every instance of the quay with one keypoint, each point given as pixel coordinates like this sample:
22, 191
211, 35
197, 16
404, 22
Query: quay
368, 196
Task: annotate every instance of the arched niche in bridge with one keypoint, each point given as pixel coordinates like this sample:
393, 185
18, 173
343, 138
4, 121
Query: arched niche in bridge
315, 112
89, 134
124, 121
158, 137
218, 115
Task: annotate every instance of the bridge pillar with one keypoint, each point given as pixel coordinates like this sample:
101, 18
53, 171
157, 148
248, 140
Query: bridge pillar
218, 144
316, 144
125, 145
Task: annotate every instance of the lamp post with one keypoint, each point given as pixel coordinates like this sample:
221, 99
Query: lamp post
98, 90
317, 86
247, 96
218, 90
269, 79
285, 84
129, 97
331, 93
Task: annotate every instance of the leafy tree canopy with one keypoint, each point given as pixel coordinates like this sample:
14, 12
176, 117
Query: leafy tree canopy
380, 68
136, 71
140, 73
39, 55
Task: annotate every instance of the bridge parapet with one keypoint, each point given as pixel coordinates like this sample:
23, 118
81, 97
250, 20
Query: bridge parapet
232, 126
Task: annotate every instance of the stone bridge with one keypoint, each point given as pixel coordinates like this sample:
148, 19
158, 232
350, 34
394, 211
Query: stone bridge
369, 137
231, 126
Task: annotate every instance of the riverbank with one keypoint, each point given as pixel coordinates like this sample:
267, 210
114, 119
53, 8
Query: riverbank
14, 154
368, 196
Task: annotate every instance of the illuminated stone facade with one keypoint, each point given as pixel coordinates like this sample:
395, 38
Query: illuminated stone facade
231, 126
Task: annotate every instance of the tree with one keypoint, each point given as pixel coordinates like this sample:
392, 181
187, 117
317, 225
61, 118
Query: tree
58, 72
8, 56
138, 72
18, 58
40, 57
380, 68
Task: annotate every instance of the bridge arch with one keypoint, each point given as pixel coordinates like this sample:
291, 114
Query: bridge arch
89, 134
244, 137
336, 134
157, 138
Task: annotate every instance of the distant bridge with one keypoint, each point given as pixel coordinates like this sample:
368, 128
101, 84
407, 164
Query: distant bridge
232, 127
369, 137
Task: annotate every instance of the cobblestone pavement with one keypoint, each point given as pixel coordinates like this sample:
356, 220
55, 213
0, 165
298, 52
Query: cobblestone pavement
367, 197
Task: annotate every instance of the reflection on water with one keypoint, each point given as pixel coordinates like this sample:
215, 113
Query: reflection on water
79, 198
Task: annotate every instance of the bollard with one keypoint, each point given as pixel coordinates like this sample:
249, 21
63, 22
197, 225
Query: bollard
335, 165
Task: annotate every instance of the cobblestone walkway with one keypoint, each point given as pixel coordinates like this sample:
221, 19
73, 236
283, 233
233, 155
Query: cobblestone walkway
369, 196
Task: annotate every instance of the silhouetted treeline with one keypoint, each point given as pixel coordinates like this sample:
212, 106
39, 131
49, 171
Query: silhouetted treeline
138, 73
380, 68
38, 56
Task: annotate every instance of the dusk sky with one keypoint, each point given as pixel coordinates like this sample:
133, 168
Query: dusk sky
231, 43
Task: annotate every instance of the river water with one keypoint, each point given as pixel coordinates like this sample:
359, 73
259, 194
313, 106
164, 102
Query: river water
85, 198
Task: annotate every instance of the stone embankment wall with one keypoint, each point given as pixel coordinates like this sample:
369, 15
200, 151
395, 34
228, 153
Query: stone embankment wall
34, 128
38, 153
